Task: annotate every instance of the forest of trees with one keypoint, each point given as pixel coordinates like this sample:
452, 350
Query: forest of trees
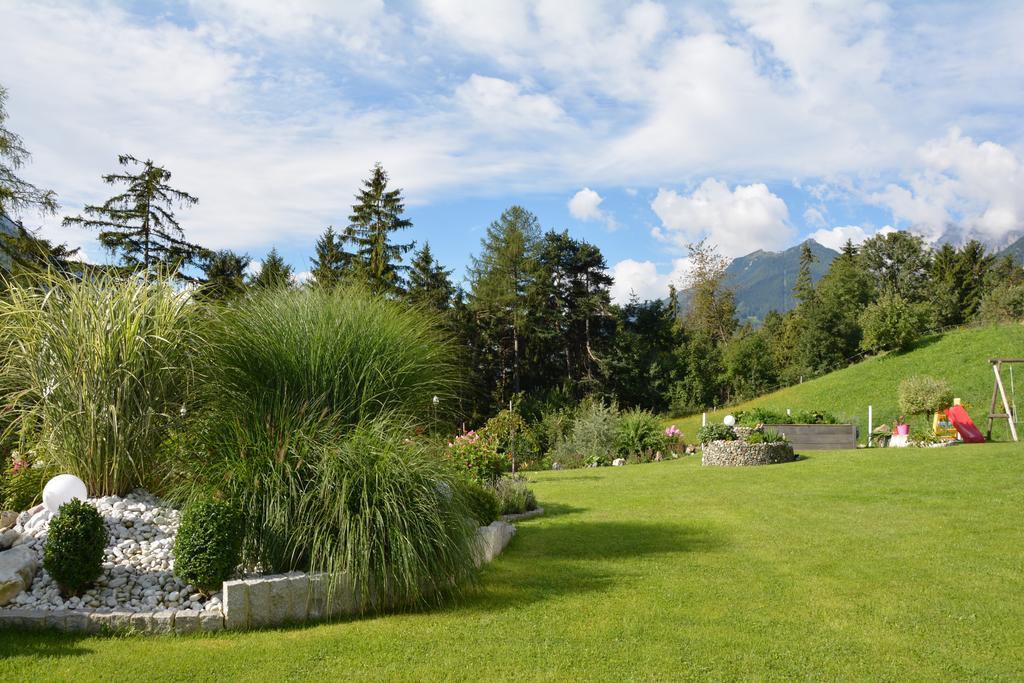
534, 320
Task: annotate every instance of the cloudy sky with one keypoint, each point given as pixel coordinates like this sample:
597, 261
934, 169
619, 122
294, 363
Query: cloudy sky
639, 127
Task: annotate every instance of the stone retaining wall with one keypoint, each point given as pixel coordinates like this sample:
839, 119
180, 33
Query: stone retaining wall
739, 453
248, 603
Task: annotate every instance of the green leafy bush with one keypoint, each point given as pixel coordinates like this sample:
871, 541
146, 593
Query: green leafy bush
75, 542
208, 546
510, 435
639, 434
715, 432
592, 437
923, 395
812, 417
553, 428
893, 323
476, 456
766, 436
483, 501
757, 416
21, 483
1003, 304
96, 371
514, 495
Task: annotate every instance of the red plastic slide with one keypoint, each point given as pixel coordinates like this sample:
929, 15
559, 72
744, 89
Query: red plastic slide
962, 421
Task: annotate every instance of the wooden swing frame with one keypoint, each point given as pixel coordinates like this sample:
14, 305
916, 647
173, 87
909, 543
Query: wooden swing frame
999, 394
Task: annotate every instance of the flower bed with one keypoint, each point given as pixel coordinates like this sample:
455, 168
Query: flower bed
138, 590
739, 453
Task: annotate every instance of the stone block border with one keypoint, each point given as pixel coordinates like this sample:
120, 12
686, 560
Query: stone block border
523, 515
292, 598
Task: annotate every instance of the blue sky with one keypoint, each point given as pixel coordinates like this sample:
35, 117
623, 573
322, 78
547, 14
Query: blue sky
640, 127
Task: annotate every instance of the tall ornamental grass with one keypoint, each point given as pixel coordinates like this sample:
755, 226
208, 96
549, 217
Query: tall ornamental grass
95, 372
308, 400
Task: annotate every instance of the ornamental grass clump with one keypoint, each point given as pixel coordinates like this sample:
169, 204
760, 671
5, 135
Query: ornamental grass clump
208, 545
95, 373
75, 541
639, 434
306, 424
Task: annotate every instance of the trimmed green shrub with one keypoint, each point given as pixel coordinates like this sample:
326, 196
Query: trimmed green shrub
484, 504
208, 546
923, 395
715, 432
514, 495
75, 542
766, 436
592, 437
639, 434
95, 372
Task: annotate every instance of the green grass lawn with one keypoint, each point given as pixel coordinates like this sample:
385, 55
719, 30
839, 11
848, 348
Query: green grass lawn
877, 564
959, 357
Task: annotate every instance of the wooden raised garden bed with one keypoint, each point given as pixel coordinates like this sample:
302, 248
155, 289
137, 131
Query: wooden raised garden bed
818, 437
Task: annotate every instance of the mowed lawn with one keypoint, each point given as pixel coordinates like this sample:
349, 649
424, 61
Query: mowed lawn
859, 564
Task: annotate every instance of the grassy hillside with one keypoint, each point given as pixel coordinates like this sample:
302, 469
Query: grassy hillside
959, 357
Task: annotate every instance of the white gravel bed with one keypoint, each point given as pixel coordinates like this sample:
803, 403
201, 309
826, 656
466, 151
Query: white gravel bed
138, 564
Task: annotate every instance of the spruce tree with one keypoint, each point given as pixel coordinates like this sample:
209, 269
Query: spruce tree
16, 195
139, 224
430, 284
224, 273
274, 272
331, 262
376, 214
803, 289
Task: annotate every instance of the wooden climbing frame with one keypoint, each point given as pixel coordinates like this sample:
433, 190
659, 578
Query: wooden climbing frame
999, 396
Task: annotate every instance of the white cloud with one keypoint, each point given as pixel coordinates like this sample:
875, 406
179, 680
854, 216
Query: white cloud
737, 221
644, 279
814, 217
585, 205
976, 186
503, 106
835, 238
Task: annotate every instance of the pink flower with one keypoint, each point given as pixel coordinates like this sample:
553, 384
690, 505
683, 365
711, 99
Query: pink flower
672, 432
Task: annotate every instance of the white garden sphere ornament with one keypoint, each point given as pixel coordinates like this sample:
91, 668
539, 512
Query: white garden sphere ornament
729, 421
62, 489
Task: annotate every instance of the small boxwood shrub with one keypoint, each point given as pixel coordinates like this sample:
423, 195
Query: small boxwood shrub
514, 495
208, 546
715, 432
75, 542
482, 501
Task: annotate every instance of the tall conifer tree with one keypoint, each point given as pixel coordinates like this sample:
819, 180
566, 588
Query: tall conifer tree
331, 262
16, 194
139, 224
430, 283
377, 214
274, 272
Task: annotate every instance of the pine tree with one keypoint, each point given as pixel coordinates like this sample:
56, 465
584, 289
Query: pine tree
138, 224
274, 273
331, 262
224, 272
376, 214
16, 195
430, 284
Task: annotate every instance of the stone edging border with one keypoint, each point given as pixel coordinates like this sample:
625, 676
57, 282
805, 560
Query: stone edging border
529, 514
291, 598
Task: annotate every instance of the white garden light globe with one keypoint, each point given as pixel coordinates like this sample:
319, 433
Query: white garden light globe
729, 421
61, 489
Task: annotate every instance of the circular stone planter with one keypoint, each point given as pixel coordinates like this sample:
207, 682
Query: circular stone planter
740, 453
